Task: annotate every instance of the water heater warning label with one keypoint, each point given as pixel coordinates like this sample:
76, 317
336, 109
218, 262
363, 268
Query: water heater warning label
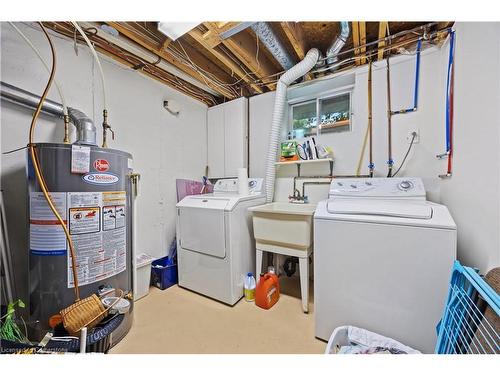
97, 224
98, 229
46, 234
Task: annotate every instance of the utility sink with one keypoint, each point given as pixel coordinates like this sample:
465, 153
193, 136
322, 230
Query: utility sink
283, 224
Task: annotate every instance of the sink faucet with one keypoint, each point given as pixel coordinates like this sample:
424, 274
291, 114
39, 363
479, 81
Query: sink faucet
297, 197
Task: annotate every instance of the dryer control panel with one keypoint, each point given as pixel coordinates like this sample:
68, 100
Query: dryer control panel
383, 188
230, 185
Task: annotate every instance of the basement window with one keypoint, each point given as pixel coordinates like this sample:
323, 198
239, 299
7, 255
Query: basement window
331, 114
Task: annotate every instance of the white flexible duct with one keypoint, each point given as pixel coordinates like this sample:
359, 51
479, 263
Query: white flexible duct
37, 52
286, 79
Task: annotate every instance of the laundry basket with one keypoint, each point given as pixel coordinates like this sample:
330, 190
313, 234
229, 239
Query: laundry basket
471, 319
354, 340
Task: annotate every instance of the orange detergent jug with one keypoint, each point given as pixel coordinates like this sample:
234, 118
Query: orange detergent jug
267, 292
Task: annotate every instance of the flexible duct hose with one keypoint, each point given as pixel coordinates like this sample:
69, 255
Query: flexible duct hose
286, 79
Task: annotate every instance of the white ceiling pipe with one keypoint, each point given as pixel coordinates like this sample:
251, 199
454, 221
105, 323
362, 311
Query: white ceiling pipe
297, 71
143, 53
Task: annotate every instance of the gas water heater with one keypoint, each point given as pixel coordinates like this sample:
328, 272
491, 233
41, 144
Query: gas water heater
91, 188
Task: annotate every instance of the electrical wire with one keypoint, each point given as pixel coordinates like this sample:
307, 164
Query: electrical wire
63, 32
15, 150
38, 170
96, 58
37, 52
414, 135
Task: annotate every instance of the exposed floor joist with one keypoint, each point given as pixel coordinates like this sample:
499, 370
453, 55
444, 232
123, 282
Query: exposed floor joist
382, 30
244, 48
198, 36
137, 38
355, 41
362, 41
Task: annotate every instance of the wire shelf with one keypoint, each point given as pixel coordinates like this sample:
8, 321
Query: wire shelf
471, 320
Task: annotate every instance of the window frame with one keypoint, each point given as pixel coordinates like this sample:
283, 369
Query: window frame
318, 98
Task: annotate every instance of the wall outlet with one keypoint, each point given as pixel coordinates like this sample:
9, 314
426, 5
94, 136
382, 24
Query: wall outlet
409, 136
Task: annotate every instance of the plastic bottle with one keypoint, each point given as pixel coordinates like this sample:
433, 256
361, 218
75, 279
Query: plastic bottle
267, 292
249, 287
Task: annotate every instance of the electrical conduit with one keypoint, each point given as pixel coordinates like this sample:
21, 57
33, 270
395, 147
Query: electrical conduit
286, 79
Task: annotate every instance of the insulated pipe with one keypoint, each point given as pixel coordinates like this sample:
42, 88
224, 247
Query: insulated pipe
286, 79
267, 36
85, 129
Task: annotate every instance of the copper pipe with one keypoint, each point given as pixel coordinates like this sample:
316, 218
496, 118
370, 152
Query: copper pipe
390, 162
38, 170
370, 166
105, 128
66, 129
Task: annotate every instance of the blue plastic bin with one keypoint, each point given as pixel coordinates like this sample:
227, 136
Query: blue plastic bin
164, 273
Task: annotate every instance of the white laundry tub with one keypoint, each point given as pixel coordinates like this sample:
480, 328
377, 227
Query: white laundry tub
283, 224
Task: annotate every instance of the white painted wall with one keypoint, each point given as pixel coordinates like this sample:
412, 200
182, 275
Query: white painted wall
476, 137
164, 147
473, 193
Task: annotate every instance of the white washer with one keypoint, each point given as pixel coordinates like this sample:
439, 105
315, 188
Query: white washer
382, 259
215, 243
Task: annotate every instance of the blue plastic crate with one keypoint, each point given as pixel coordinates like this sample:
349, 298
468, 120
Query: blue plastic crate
465, 327
164, 273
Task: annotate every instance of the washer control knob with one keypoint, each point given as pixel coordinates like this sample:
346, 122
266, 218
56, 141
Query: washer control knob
368, 183
405, 185
353, 186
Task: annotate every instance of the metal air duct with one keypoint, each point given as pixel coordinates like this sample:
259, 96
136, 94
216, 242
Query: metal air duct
338, 43
85, 128
267, 36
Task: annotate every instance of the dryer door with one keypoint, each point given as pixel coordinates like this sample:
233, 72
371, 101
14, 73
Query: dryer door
202, 227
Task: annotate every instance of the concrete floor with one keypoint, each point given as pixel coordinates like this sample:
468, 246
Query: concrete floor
177, 320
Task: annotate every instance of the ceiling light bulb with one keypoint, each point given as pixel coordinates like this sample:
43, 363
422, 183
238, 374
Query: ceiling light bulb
175, 30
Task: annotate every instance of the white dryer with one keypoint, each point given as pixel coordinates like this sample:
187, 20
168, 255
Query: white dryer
215, 243
382, 259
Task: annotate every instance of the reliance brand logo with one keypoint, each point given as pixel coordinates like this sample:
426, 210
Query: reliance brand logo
100, 178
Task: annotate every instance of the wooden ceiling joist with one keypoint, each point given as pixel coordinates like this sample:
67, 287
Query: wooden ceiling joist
382, 30
294, 34
244, 47
362, 41
139, 39
355, 40
223, 59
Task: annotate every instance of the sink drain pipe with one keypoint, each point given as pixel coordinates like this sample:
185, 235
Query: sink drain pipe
286, 79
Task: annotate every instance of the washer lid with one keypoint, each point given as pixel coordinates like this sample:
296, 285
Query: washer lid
441, 218
408, 209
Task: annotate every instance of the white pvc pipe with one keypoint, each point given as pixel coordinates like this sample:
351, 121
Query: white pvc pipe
297, 71
37, 52
83, 340
96, 58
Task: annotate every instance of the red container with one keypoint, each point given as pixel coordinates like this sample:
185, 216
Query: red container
267, 292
